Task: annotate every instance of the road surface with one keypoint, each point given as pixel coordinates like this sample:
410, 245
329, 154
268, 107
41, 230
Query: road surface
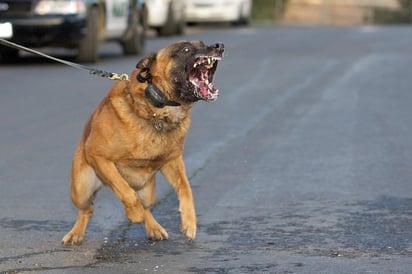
303, 165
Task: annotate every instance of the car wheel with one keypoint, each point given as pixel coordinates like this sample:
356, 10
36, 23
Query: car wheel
135, 37
169, 28
88, 47
242, 19
181, 27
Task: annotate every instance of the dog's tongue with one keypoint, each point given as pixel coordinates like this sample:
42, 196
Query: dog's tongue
203, 88
199, 77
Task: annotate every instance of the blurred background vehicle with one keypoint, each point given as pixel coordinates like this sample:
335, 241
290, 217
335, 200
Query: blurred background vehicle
167, 17
233, 11
73, 24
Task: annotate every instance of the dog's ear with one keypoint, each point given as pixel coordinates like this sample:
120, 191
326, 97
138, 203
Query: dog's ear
147, 61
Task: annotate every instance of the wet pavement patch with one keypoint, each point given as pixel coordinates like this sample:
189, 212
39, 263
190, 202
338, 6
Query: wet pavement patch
365, 229
36, 225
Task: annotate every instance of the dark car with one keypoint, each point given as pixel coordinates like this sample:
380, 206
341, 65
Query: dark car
75, 24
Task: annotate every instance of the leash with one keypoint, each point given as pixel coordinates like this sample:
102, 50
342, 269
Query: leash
92, 71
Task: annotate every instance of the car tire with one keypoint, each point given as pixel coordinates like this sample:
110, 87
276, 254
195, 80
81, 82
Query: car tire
135, 37
242, 20
88, 47
181, 27
169, 28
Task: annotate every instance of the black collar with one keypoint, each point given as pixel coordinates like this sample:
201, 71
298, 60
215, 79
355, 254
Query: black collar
155, 96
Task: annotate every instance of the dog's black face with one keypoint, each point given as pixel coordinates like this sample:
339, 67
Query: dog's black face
184, 70
199, 61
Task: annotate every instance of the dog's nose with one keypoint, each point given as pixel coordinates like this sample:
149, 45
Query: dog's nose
219, 46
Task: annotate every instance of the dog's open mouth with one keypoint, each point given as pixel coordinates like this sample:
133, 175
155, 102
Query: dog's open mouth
201, 77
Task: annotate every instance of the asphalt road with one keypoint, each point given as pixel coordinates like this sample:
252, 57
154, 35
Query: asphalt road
303, 165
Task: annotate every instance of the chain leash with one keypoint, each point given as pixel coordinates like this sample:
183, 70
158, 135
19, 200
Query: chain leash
92, 71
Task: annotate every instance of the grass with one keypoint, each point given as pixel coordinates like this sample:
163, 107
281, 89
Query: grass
268, 10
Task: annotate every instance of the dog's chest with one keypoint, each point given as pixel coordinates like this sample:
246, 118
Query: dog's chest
149, 142
151, 148
169, 119
145, 159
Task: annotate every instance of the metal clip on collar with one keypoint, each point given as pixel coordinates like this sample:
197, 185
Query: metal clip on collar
109, 75
116, 76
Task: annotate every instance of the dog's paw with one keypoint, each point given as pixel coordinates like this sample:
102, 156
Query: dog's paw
156, 232
134, 214
72, 238
188, 223
189, 229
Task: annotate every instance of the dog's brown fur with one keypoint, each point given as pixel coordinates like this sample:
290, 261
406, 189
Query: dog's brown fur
127, 140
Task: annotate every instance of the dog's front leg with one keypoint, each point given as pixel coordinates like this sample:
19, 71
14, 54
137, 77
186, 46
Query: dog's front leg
109, 174
175, 173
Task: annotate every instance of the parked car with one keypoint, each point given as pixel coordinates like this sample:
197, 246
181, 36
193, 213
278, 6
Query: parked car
167, 17
79, 24
233, 11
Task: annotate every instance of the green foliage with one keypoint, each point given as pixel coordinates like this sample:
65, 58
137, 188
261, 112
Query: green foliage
401, 16
268, 10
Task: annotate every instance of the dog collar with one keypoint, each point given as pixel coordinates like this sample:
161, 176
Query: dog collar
155, 96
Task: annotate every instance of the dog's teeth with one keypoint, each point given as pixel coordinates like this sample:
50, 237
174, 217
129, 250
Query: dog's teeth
195, 65
209, 60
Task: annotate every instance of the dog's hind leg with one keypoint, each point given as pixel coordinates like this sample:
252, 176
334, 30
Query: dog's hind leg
107, 171
147, 196
84, 186
175, 173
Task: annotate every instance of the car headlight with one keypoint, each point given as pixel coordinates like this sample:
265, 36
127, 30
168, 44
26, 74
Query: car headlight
60, 7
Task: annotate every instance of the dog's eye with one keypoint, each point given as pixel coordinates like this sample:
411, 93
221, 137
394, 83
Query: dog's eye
186, 50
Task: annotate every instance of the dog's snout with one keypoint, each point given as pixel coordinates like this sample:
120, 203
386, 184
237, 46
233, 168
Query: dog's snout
219, 46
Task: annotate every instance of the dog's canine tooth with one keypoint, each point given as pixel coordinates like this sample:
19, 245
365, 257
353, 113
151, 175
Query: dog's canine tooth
195, 65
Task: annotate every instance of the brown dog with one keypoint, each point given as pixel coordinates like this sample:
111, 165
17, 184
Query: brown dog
138, 129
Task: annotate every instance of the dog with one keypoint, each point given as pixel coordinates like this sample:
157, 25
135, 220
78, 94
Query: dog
138, 129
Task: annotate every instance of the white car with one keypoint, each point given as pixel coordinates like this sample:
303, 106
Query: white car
233, 11
167, 17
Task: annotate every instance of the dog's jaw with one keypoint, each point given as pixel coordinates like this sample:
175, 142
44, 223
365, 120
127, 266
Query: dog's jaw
201, 77
193, 71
